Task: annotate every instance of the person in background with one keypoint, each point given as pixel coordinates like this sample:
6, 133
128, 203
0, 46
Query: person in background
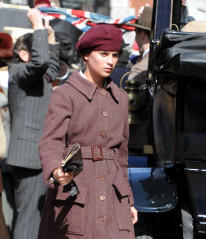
140, 140
6, 54
89, 109
142, 29
139, 132
3, 229
34, 66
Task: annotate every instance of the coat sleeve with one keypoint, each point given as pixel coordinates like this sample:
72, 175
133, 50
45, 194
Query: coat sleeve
27, 74
52, 143
53, 69
123, 149
139, 70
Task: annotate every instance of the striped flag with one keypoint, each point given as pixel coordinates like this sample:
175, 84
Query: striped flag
84, 20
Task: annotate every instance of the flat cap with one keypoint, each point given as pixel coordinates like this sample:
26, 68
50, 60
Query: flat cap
101, 37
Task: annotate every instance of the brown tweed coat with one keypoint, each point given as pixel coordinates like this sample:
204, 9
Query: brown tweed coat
89, 116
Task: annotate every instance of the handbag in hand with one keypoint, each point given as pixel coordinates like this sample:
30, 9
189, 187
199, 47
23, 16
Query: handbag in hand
73, 163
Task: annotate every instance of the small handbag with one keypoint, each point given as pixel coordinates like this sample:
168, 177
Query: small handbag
73, 163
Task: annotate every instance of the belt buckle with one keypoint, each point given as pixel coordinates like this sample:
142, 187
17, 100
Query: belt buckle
97, 153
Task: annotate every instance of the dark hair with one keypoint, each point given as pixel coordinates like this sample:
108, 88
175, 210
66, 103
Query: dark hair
85, 51
24, 42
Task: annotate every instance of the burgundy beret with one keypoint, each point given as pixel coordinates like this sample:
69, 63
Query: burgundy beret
101, 37
6, 45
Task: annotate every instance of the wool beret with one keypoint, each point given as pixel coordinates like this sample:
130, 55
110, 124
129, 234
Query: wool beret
6, 45
101, 37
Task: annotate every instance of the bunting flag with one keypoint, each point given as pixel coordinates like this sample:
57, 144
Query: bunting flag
84, 20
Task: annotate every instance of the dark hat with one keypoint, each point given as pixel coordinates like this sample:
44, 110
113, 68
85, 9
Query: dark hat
101, 37
6, 45
145, 20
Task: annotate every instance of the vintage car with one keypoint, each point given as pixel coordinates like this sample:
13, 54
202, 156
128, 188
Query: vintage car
168, 176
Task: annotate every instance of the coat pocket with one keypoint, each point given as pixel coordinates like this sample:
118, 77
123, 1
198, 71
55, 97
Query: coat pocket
69, 213
122, 207
30, 132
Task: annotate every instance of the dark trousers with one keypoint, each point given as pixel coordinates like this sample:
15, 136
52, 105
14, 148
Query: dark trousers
29, 199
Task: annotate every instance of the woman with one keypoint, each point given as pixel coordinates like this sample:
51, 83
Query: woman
3, 229
91, 110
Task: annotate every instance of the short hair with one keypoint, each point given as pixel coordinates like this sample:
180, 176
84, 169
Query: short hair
24, 42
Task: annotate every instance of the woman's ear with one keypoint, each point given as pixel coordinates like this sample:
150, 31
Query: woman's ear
85, 57
24, 55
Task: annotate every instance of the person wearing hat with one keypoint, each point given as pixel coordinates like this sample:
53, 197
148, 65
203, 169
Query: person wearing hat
34, 66
139, 133
91, 110
6, 54
139, 139
142, 30
3, 229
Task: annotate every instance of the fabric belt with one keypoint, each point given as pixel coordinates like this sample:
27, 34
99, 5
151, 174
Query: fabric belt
97, 153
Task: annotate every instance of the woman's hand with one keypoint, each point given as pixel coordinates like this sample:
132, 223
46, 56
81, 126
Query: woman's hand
61, 177
134, 215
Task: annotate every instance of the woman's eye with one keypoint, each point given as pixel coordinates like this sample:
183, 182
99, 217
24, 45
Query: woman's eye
103, 53
116, 55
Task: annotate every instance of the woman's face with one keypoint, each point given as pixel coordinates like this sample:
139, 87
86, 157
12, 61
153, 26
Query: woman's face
101, 63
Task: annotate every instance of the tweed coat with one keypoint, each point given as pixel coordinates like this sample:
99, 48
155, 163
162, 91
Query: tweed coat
139, 70
29, 94
139, 134
90, 116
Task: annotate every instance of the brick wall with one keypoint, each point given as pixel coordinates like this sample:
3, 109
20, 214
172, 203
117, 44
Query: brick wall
136, 4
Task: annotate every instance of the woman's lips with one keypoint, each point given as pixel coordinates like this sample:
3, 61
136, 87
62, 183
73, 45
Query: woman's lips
108, 69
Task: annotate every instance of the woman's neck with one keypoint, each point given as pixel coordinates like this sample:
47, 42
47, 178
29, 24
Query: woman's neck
94, 79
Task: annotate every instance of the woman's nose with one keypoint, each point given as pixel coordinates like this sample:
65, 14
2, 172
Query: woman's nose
110, 60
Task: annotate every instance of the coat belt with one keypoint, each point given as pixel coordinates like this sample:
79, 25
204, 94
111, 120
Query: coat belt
96, 152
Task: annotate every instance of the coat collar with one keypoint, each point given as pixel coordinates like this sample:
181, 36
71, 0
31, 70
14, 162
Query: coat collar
88, 88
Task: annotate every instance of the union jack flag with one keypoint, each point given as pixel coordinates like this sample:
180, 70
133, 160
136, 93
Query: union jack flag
84, 20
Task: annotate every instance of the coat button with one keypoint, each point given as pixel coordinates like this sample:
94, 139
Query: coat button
103, 92
103, 135
102, 219
102, 177
104, 113
102, 197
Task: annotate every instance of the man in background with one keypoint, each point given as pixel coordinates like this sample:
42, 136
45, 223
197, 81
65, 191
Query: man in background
35, 65
139, 132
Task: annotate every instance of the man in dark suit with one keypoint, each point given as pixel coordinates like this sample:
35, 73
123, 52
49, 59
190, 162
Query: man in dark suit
139, 139
34, 67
